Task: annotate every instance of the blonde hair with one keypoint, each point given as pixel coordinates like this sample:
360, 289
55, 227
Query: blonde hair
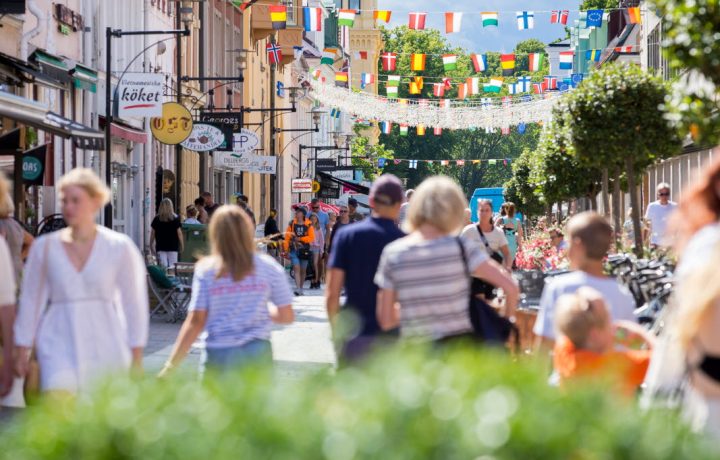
7, 208
439, 202
576, 314
317, 221
86, 179
166, 213
697, 295
232, 243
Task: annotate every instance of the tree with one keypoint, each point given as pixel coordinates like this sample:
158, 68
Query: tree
598, 5
617, 120
518, 188
364, 156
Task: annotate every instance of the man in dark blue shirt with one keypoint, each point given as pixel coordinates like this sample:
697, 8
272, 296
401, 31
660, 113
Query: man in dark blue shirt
354, 260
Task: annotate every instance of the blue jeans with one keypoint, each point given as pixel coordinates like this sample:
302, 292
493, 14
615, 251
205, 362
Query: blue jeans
225, 360
296, 261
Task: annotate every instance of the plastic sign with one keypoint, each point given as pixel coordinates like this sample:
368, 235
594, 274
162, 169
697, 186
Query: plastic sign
301, 186
204, 138
174, 126
316, 186
140, 95
245, 142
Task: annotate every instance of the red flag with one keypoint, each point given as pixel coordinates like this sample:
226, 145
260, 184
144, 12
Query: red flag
417, 21
624, 49
437, 131
447, 83
274, 53
559, 17
389, 61
438, 90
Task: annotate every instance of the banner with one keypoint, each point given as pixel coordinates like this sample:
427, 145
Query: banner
140, 95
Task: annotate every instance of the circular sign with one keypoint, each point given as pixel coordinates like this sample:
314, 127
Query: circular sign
174, 126
245, 141
316, 186
203, 138
32, 168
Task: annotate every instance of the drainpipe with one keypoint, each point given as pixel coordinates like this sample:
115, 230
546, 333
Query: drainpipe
27, 36
147, 166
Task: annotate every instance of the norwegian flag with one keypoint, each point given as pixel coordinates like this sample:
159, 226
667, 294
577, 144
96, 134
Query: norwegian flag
417, 21
389, 61
539, 88
559, 17
274, 53
550, 82
438, 90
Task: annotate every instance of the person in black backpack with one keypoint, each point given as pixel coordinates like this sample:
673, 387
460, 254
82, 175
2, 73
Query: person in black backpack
300, 233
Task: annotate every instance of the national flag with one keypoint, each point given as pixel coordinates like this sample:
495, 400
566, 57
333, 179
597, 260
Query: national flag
473, 86
494, 86
382, 15
566, 60
444, 162
244, 4
389, 61
366, 79
486, 102
624, 49
414, 88
460, 162
346, 17
507, 62
462, 91
479, 62
419, 82
297, 52
392, 92
559, 17
524, 84
593, 55
505, 130
341, 78
386, 127
437, 131
381, 162
335, 113
420, 131
445, 104
393, 81
521, 128
417, 21
438, 90
362, 55
278, 16
634, 14
506, 101
413, 164
452, 22
403, 130
328, 56
535, 61
449, 62
550, 82
489, 18
513, 88
313, 19
447, 83
274, 53
397, 162
525, 20
316, 74
594, 18
563, 86
576, 79
417, 62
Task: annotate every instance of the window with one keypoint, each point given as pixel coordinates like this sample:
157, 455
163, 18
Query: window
355, 5
291, 20
331, 30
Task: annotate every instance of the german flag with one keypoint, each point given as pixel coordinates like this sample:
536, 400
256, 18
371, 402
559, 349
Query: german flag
341, 78
278, 16
507, 62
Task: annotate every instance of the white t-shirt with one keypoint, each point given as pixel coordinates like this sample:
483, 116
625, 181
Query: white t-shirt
618, 298
658, 215
7, 275
496, 238
697, 249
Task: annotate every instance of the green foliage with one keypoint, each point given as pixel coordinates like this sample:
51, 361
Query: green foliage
598, 5
526, 47
465, 404
520, 190
364, 155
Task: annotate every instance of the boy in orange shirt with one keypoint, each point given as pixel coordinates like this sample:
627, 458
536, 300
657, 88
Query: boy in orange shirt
586, 344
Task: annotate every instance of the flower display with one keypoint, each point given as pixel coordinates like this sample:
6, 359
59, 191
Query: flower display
538, 253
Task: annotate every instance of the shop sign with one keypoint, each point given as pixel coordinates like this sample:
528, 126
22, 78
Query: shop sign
174, 126
301, 186
262, 164
245, 142
68, 19
34, 166
204, 137
141, 95
346, 174
230, 160
233, 120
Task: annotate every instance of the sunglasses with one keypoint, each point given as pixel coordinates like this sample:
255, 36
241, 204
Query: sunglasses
316, 207
343, 212
664, 194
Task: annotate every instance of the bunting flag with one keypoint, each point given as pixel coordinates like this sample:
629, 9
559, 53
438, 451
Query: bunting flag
525, 20
524, 83
362, 55
449, 62
473, 86
243, 4
397, 162
420, 130
521, 128
413, 164
535, 62
341, 78
386, 127
623, 49
392, 92
594, 18
505, 130
566, 60
316, 73
447, 82
453, 22
507, 62
489, 18
513, 88
313, 19
335, 113
550, 82
389, 61
460, 162
274, 53
382, 15
393, 81
297, 52
593, 55
403, 131
381, 161
437, 131
420, 83
634, 15
444, 162
417, 62
366, 79
438, 90
346, 18
576, 79
559, 17
417, 21
328, 56
479, 62
494, 86
278, 16
446, 103
462, 91
415, 89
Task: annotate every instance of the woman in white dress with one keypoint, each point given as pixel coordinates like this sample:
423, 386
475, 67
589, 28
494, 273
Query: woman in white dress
84, 302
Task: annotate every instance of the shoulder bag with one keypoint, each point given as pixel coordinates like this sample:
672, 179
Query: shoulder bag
302, 249
479, 286
31, 385
488, 324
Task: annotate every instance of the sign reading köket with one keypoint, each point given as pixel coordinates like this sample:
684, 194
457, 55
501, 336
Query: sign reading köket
140, 95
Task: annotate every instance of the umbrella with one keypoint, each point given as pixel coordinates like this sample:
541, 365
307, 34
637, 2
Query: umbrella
323, 207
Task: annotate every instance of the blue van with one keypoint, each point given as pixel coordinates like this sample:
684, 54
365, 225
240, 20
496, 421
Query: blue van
494, 194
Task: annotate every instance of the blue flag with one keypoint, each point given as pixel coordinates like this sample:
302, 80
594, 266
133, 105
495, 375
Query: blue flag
576, 78
381, 163
521, 128
594, 18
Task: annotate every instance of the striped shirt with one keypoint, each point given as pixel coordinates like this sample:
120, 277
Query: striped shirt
238, 311
431, 284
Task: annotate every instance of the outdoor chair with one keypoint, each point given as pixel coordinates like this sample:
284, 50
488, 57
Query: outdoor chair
172, 295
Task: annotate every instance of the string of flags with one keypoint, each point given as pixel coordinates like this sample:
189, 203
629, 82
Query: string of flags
413, 164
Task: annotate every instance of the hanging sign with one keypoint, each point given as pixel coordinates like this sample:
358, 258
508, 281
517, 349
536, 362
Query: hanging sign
34, 165
140, 95
174, 126
231, 160
204, 137
301, 186
245, 141
262, 164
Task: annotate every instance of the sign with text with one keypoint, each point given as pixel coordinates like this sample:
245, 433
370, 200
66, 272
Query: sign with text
204, 137
347, 174
174, 126
325, 164
301, 186
247, 162
140, 95
262, 164
34, 165
245, 141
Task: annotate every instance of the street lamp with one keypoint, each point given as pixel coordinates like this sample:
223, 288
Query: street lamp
316, 114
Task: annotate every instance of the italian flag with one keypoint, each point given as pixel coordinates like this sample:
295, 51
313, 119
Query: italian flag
449, 62
489, 18
346, 18
403, 129
494, 86
452, 22
535, 62
392, 92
